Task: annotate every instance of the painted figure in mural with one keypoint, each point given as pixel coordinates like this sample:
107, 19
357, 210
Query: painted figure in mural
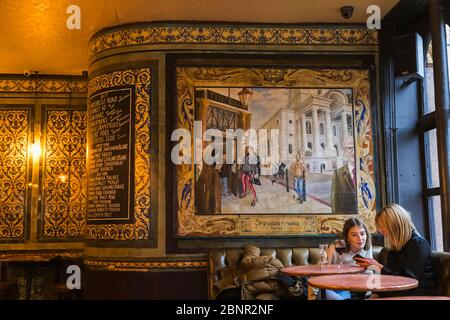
298, 170
281, 172
224, 172
275, 166
343, 186
257, 174
247, 171
207, 188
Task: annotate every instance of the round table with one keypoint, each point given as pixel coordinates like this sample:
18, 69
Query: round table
312, 270
415, 298
363, 282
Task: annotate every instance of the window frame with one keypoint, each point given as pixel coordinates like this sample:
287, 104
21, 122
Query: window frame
426, 123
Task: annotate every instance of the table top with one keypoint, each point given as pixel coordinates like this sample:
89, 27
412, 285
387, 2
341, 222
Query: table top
318, 270
363, 282
415, 298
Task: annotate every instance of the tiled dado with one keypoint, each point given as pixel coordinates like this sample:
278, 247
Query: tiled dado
143, 266
221, 34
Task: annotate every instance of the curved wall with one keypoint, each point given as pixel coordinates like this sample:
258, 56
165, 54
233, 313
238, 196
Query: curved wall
130, 75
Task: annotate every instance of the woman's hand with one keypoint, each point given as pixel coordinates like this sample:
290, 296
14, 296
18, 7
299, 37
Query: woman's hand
367, 262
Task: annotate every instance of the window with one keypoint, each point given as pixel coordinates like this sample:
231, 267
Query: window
431, 159
308, 127
428, 136
337, 150
334, 131
290, 148
432, 192
429, 81
309, 145
323, 146
434, 207
322, 131
447, 28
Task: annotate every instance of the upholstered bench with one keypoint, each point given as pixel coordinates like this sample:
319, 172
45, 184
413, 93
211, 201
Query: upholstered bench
442, 261
220, 259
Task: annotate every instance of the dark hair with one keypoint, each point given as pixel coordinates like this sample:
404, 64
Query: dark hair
355, 222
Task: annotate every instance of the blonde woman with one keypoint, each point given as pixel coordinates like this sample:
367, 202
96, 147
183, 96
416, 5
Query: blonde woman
409, 253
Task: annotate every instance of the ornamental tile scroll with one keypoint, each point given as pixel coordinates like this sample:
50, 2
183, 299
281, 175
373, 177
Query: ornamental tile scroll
138, 266
191, 224
14, 135
42, 86
231, 35
64, 177
140, 79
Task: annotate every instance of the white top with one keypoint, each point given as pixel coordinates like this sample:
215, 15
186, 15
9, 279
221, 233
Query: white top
347, 257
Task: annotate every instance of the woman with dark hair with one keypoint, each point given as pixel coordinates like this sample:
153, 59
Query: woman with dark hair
357, 241
409, 254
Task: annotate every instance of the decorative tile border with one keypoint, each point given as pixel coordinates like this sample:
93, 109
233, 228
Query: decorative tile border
42, 86
38, 256
191, 225
231, 35
143, 266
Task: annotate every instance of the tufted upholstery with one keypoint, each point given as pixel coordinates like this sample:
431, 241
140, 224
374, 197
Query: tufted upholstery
219, 259
442, 261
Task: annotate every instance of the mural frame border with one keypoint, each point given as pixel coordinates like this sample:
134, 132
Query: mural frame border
187, 244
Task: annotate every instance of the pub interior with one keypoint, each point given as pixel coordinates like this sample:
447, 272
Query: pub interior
113, 183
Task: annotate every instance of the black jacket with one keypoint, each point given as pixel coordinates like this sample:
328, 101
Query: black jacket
413, 261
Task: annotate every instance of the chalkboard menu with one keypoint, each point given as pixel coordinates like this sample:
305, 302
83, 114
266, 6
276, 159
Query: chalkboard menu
110, 157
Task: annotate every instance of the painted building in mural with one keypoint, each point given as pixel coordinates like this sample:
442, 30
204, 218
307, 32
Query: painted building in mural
313, 125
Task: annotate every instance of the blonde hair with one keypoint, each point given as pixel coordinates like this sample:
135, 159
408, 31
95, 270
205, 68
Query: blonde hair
397, 224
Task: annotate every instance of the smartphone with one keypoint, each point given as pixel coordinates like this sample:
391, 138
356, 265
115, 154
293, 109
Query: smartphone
358, 256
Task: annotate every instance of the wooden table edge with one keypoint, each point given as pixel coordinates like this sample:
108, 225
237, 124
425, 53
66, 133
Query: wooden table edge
356, 289
318, 274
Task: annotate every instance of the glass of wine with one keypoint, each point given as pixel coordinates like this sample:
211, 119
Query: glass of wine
339, 245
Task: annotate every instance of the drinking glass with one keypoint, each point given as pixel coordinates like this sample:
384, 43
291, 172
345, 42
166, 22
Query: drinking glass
339, 245
323, 255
